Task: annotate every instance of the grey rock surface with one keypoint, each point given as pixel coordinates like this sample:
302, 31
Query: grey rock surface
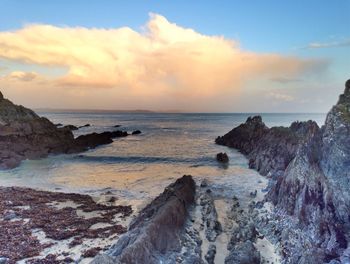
156, 232
311, 168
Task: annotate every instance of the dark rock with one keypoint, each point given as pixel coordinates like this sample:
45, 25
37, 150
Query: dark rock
86, 125
117, 125
243, 253
70, 127
210, 256
96, 139
155, 232
209, 216
253, 194
25, 135
269, 150
92, 252
136, 132
58, 125
222, 157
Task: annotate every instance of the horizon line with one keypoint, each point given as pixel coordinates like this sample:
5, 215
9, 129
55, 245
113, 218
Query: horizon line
146, 111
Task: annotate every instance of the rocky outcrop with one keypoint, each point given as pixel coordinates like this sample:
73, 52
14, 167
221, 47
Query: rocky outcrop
269, 150
96, 139
156, 232
311, 194
25, 135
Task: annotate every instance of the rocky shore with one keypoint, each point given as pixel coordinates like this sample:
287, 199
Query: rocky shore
25, 135
52, 227
309, 171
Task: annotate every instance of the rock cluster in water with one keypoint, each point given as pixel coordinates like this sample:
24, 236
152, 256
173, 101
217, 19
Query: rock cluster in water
25, 135
310, 175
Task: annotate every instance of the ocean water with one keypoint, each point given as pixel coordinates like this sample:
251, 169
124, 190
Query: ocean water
139, 167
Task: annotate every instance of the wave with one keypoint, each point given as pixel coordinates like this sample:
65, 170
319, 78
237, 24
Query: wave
199, 161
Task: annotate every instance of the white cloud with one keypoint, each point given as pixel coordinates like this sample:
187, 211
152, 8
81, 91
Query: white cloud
164, 64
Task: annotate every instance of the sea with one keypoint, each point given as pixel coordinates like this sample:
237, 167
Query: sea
138, 167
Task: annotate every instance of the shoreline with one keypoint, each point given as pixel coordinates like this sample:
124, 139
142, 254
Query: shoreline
53, 203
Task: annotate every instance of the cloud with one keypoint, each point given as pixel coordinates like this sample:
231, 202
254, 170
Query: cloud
319, 45
21, 76
162, 64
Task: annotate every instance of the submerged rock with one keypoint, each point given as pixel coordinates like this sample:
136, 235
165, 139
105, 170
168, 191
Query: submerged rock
86, 125
71, 127
136, 132
155, 232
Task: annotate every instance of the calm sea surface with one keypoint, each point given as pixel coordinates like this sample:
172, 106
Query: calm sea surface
138, 167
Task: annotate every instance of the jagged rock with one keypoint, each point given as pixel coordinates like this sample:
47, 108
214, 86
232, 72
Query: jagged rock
269, 150
210, 256
156, 231
136, 132
312, 187
210, 217
222, 157
71, 127
243, 253
86, 125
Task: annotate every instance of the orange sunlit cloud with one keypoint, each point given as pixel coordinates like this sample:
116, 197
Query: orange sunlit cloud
164, 62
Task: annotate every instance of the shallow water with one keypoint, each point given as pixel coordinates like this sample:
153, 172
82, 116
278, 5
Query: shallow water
139, 167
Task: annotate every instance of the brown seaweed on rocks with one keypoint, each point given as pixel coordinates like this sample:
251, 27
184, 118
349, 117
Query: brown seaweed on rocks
23, 210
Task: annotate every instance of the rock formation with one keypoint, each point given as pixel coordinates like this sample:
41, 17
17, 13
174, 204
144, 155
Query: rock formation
156, 232
136, 132
311, 166
222, 157
25, 135
269, 150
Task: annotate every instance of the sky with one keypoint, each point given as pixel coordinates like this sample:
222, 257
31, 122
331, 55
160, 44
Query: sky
190, 56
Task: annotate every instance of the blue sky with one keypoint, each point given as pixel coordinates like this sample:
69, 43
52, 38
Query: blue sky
279, 27
259, 25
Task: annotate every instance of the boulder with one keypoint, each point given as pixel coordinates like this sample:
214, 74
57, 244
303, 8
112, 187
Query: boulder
136, 132
222, 157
